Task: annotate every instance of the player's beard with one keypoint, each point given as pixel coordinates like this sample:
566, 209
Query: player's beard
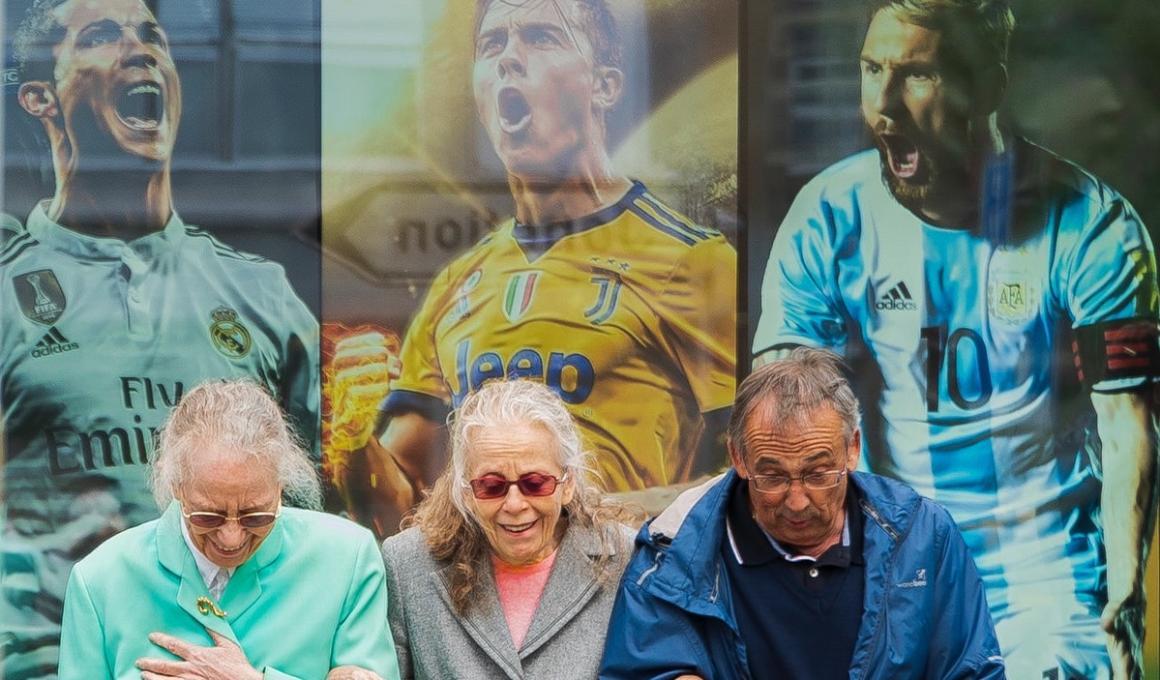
936, 165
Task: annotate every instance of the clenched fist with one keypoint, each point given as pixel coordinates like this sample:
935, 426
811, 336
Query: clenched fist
357, 378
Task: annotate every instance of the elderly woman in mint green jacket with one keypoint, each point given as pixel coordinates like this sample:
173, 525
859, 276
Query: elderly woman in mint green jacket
228, 583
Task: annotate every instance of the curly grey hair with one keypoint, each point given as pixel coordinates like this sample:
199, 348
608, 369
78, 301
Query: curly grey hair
240, 416
513, 403
448, 523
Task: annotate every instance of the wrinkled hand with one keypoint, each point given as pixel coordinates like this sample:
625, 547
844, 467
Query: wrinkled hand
358, 380
352, 673
224, 661
1123, 622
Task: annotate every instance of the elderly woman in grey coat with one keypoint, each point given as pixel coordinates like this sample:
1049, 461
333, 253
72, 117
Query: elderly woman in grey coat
511, 564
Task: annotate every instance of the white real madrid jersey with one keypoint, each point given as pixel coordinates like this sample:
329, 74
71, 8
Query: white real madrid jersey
101, 337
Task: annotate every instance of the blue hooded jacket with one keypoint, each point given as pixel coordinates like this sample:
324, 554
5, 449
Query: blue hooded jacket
925, 613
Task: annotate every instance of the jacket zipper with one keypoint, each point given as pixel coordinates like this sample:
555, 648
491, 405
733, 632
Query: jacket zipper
897, 538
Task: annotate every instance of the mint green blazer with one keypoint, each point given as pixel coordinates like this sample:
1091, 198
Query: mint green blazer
312, 597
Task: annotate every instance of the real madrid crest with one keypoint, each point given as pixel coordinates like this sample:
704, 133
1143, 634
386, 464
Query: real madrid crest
40, 296
229, 336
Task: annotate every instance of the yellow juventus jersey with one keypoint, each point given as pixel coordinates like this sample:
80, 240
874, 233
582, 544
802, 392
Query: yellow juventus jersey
628, 314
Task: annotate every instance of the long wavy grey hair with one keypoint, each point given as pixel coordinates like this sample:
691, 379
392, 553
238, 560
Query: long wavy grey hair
449, 526
238, 416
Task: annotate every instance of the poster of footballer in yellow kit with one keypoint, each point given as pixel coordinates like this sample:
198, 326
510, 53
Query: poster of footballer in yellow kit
543, 189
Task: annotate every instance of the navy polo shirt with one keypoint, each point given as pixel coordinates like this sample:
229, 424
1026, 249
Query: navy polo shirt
798, 616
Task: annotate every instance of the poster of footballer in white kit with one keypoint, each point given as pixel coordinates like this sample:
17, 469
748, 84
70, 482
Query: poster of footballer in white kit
985, 263
160, 229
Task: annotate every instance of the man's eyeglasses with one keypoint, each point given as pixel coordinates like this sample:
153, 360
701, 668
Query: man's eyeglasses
813, 481
490, 487
213, 520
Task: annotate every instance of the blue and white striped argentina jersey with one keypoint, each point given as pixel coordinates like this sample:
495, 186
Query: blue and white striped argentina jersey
98, 339
961, 345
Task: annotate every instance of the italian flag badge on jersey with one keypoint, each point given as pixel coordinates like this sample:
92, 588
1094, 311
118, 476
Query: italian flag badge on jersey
518, 296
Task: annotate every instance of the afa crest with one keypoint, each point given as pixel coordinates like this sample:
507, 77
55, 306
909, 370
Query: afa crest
230, 337
40, 296
1012, 301
1015, 285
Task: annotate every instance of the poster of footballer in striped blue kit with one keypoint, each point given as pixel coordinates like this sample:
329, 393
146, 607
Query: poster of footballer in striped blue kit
542, 189
966, 211
160, 230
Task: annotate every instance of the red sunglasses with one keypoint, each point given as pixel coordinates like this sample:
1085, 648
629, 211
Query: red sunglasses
490, 487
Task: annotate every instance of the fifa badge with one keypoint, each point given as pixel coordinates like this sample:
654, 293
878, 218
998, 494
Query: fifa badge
40, 296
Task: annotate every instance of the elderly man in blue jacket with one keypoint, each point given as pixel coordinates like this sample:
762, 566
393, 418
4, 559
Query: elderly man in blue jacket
793, 565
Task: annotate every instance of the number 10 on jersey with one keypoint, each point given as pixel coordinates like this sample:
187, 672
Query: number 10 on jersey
957, 346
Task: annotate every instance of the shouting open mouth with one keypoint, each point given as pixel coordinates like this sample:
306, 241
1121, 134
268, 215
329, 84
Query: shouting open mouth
515, 113
141, 106
903, 156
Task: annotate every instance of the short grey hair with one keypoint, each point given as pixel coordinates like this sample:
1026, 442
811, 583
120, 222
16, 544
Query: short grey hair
517, 402
792, 388
241, 417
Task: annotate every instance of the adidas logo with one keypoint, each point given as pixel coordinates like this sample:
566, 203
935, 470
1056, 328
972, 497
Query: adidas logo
897, 297
53, 342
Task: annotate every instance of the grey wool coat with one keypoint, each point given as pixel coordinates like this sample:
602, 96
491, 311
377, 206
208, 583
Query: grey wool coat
565, 639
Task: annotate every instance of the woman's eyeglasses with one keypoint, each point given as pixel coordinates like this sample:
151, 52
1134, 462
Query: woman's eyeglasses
490, 487
213, 520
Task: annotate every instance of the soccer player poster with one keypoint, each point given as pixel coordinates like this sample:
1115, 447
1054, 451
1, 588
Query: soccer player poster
531, 188
160, 167
996, 297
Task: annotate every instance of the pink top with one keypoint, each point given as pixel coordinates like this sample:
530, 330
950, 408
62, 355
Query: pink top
520, 589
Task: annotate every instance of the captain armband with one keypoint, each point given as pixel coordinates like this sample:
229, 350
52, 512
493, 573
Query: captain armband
1124, 349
